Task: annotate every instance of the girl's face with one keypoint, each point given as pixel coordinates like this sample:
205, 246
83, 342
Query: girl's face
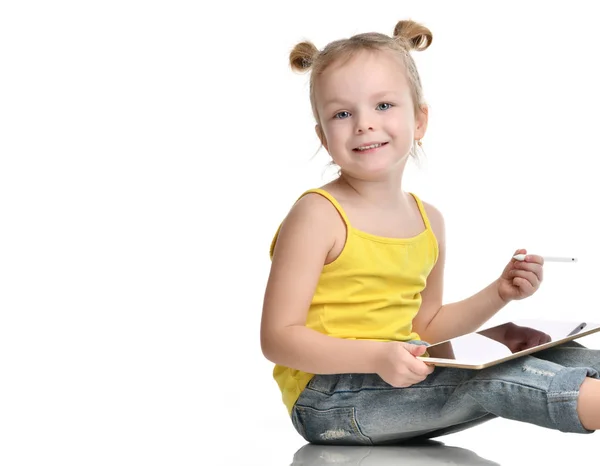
367, 115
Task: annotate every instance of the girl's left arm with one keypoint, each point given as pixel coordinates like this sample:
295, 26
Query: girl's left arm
438, 322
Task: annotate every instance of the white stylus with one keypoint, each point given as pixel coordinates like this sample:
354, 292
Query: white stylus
521, 257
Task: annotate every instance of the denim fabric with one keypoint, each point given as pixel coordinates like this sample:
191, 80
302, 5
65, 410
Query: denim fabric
362, 409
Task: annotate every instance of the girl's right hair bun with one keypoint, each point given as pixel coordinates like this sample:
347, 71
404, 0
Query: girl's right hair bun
418, 36
302, 56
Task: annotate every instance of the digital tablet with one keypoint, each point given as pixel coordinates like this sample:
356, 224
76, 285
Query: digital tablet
509, 340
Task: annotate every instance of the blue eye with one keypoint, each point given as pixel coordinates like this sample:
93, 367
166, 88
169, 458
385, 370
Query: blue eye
341, 115
387, 106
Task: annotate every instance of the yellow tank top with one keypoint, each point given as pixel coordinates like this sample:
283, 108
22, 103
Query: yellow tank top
372, 291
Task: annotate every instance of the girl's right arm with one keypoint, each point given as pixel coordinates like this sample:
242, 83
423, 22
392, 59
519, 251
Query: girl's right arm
305, 239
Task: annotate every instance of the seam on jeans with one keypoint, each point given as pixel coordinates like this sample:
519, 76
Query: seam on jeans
506, 382
476, 401
552, 397
453, 387
555, 397
358, 429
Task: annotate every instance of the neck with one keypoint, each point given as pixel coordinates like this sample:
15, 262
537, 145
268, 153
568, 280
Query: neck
381, 192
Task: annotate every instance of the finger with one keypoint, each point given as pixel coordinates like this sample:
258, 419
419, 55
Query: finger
417, 378
525, 265
407, 379
420, 369
428, 369
415, 350
534, 267
531, 277
523, 284
519, 251
420, 372
414, 380
417, 369
533, 258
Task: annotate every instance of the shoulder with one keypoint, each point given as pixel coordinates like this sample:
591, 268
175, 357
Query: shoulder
436, 219
312, 207
310, 220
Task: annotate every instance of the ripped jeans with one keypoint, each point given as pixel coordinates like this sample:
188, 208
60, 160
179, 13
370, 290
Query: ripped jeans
362, 409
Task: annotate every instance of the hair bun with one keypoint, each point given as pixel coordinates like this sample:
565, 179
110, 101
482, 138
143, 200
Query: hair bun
418, 36
302, 56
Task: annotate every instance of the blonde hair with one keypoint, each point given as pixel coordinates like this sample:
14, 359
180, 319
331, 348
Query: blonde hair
408, 35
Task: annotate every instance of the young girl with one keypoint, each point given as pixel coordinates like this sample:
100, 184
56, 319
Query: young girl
355, 288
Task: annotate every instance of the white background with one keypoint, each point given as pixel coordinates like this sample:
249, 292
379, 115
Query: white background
148, 152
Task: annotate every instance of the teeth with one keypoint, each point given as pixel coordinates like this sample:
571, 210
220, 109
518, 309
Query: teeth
372, 146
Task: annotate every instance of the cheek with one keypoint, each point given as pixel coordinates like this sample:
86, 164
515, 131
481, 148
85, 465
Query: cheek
335, 134
403, 134
406, 131
402, 124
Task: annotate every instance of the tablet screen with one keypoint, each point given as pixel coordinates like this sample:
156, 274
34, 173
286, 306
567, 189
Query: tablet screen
506, 339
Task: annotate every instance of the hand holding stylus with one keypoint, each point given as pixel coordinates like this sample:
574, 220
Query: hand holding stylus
521, 278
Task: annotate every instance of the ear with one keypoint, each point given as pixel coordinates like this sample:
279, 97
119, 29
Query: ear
421, 120
321, 136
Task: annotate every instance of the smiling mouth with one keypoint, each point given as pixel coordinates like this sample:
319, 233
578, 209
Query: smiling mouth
369, 147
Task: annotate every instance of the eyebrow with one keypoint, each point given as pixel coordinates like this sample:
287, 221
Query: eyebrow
375, 96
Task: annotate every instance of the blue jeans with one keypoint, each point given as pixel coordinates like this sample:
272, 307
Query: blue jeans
362, 409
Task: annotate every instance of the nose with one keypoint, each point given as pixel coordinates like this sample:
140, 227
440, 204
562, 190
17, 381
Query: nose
364, 122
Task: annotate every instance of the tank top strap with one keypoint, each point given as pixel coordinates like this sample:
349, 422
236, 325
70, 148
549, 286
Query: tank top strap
422, 210
331, 199
326, 195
